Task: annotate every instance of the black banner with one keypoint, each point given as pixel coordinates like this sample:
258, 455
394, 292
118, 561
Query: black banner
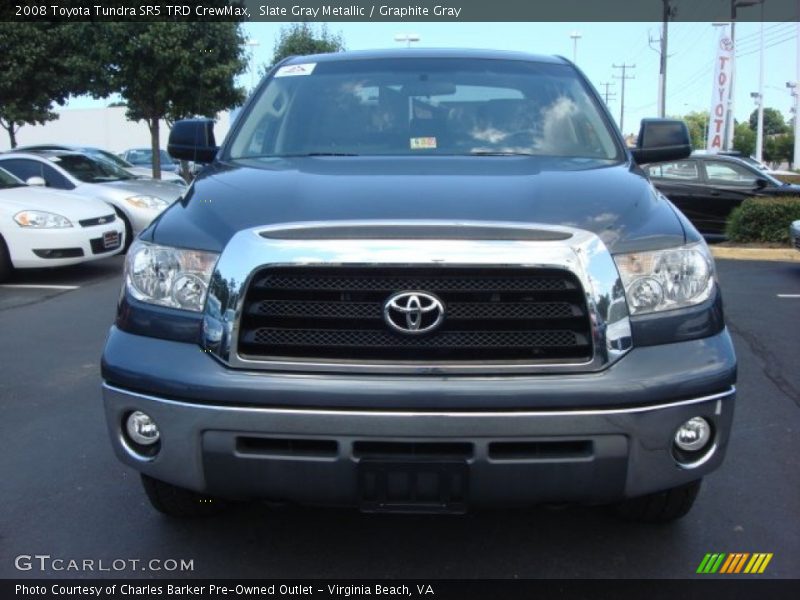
547, 589
401, 10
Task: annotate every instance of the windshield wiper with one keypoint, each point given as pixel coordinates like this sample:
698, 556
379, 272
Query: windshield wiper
499, 153
324, 154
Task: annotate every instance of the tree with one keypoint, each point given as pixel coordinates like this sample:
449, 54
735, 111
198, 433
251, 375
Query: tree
744, 140
300, 39
697, 122
773, 121
42, 64
173, 70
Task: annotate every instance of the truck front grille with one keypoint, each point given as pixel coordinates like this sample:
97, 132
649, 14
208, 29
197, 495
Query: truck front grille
336, 313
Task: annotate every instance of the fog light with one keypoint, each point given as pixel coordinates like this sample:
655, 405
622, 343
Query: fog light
142, 429
693, 435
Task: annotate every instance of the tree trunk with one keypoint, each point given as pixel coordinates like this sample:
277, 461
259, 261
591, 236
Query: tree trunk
155, 146
12, 133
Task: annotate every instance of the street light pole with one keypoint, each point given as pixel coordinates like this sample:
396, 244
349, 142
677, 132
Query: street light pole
252, 43
759, 100
575, 35
793, 86
407, 37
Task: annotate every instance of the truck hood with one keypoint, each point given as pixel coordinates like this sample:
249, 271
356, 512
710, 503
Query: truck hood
614, 201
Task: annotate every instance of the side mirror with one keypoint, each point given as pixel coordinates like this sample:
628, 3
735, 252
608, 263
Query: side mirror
761, 183
39, 181
193, 139
662, 139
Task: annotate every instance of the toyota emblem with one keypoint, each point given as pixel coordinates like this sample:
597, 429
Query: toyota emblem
413, 312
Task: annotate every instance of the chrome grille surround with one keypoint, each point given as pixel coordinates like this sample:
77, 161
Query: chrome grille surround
575, 250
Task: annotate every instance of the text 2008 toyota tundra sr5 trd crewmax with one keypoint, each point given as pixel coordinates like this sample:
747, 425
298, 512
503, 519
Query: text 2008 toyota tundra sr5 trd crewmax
422, 280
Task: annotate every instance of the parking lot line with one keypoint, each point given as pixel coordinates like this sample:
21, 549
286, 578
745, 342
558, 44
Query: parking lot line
32, 286
788, 295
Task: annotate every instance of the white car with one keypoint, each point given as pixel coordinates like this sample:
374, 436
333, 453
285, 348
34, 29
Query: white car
47, 228
136, 201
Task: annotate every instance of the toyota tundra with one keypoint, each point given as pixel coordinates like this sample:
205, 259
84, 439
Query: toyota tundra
422, 280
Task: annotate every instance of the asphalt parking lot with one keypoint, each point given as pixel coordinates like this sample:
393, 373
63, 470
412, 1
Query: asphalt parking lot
64, 494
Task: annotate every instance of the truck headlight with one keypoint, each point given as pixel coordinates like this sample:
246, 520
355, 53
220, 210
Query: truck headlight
147, 202
169, 276
39, 219
666, 279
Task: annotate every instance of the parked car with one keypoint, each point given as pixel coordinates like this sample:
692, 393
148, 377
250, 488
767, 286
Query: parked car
707, 187
422, 280
136, 201
143, 157
48, 228
794, 234
100, 154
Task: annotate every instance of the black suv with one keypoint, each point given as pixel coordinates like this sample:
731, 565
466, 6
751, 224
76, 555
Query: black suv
422, 280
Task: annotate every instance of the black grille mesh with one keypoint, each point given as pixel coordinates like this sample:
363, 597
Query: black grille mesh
336, 313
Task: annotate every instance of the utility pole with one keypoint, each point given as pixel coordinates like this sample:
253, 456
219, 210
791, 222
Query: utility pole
668, 12
607, 94
623, 77
575, 35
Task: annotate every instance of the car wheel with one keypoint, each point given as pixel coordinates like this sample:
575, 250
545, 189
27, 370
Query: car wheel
128, 231
179, 502
660, 507
6, 268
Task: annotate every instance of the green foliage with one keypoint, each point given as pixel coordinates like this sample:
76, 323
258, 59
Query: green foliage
773, 121
42, 64
763, 220
173, 70
697, 122
744, 139
301, 39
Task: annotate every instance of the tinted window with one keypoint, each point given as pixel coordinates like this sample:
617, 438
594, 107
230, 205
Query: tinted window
55, 179
22, 168
7, 180
420, 106
726, 173
681, 170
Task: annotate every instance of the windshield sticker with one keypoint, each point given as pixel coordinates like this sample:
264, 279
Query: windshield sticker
294, 70
423, 143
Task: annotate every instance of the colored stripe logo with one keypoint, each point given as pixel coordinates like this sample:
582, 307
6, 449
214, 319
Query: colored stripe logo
735, 562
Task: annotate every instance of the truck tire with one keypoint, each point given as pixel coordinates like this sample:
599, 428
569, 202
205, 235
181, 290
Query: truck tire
179, 502
660, 507
5, 261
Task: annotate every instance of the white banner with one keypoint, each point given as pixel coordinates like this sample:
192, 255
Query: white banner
723, 69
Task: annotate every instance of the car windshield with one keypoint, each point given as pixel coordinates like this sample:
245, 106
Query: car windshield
425, 106
144, 157
7, 180
89, 170
108, 157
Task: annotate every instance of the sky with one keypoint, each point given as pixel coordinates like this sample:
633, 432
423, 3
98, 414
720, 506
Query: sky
689, 70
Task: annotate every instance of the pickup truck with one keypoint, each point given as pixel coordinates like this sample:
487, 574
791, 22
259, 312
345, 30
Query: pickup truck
422, 280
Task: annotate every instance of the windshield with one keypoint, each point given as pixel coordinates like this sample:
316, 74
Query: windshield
89, 170
108, 157
144, 156
7, 180
425, 106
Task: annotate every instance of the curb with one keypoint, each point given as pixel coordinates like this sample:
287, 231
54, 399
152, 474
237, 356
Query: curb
773, 254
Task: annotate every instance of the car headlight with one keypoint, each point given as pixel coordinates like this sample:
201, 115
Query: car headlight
666, 279
169, 276
147, 202
40, 219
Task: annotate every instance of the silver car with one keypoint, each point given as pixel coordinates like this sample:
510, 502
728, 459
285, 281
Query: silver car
100, 154
137, 201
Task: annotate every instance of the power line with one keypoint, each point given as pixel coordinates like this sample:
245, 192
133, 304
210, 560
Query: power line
776, 43
624, 77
